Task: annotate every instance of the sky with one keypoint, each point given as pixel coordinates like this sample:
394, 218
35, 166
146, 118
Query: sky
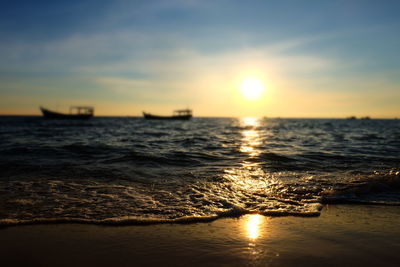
314, 58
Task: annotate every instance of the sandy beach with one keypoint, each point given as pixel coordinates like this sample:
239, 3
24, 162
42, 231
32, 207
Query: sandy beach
344, 235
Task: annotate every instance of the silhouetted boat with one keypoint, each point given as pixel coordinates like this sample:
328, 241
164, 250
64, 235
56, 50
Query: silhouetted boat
366, 118
74, 113
182, 114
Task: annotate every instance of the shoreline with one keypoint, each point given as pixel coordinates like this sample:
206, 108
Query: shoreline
341, 235
131, 221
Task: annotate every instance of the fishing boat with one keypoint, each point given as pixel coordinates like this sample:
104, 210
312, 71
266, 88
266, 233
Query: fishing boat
75, 112
181, 114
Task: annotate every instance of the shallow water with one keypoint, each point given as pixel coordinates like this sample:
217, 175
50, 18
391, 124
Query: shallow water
131, 170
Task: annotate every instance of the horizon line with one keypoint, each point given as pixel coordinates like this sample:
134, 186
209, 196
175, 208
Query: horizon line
230, 117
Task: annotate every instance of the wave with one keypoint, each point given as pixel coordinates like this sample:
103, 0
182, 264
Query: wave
380, 188
131, 220
133, 171
176, 158
90, 202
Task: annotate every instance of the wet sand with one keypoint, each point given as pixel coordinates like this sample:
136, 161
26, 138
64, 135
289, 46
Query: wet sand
344, 235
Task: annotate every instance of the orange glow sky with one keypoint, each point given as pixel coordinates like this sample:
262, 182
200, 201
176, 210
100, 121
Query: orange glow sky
314, 59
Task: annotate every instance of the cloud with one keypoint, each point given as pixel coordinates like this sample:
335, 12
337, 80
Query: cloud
141, 90
169, 65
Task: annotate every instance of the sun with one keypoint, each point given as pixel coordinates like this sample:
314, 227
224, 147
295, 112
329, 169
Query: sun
252, 88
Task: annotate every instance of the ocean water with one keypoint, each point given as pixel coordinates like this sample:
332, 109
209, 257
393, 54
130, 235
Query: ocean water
126, 170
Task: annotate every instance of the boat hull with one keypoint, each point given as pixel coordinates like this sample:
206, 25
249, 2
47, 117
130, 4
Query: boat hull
149, 116
56, 115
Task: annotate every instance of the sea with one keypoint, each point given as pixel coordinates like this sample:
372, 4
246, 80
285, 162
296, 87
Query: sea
128, 170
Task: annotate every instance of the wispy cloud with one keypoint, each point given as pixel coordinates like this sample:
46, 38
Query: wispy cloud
197, 52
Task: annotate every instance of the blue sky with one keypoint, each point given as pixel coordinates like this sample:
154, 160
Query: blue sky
316, 58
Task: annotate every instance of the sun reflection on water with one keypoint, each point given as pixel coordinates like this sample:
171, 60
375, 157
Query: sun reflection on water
251, 137
251, 186
250, 121
253, 226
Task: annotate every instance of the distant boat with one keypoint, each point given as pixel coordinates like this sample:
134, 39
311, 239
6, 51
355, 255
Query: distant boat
181, 114
366, 118
352, 118
76, 112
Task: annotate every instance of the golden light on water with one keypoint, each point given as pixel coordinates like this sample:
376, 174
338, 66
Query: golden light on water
253, 226
250, 121
251, 140
244, 178
252, 88
251, 137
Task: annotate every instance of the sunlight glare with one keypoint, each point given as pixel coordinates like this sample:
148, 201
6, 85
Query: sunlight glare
250, 121
252, 88
251, 136
253, 226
